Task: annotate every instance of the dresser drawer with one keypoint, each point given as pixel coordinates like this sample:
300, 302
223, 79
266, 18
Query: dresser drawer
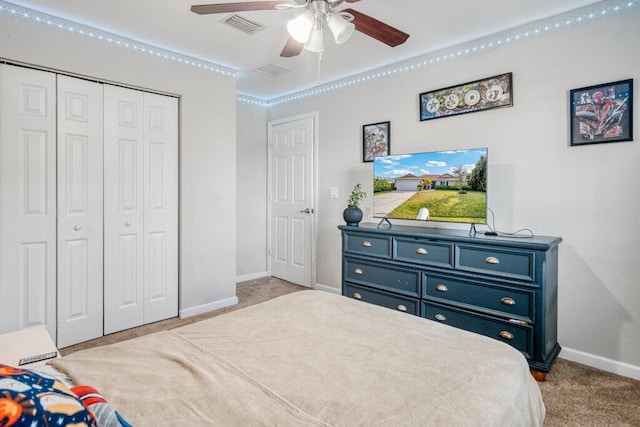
512, 263
519, 337
394, 279
367, 244
481, 296
384, 299
423, 252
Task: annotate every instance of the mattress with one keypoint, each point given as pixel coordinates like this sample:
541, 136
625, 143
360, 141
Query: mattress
313, 358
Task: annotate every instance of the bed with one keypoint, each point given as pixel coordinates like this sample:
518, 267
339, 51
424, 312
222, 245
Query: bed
312, 358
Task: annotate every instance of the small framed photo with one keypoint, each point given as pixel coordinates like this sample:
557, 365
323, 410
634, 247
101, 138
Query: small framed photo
479, 95
376, 140
601, 113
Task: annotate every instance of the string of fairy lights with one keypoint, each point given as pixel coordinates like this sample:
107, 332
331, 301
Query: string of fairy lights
577, 17
111, 38
580, 16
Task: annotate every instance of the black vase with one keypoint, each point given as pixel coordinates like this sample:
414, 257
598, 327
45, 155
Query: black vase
352, 215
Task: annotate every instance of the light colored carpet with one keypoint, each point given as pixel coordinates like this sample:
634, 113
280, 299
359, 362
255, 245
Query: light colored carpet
578, 395
574, 394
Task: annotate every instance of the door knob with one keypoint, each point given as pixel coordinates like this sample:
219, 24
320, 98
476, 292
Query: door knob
127, 223
77, 227
307, 211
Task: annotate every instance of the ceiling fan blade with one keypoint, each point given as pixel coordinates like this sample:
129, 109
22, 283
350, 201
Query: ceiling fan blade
205, 9
376, 29
291, 48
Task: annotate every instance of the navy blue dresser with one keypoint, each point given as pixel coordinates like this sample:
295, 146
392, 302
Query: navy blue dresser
501, 287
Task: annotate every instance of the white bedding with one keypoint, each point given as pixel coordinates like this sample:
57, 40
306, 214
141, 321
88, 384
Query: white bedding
313, 358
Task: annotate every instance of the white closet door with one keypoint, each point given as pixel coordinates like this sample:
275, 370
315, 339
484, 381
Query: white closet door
27, 199
80, 255
123, 208
160, 207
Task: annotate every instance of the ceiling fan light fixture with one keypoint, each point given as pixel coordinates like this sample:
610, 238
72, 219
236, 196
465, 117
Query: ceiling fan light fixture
340, 27
316, 42
300, 27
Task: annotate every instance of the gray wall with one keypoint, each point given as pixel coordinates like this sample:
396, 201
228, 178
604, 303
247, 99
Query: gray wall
207, 145
252, 192
588, 195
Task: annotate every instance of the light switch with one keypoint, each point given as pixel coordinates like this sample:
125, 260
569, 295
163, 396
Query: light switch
333, 192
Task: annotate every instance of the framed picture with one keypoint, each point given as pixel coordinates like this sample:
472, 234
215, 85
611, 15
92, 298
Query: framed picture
376, 140
492, 92
601, 113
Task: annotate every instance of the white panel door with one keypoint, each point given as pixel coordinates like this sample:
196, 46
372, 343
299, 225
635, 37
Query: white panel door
291, 199
27, 199
160, 207
80, 254
123, 208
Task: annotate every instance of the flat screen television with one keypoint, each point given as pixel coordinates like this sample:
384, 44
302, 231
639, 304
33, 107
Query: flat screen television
447, 186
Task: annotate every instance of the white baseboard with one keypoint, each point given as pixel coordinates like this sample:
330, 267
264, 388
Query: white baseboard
251, 276
602, 363
205, 308
325, 288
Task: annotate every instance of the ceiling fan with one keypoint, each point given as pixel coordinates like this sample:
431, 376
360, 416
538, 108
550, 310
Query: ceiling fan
305, 31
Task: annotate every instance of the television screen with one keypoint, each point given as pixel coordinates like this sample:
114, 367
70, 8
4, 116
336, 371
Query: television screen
449, 186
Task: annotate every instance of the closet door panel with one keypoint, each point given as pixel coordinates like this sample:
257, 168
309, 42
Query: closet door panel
80, 212
161, 207
123, 208
27, 199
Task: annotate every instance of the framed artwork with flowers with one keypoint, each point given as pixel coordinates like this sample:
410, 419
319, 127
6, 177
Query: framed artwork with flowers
376, 140
479, 95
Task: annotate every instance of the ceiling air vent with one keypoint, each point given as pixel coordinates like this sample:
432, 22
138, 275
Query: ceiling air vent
243, 24
272, 70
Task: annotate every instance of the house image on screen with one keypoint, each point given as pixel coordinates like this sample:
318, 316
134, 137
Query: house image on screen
411, 182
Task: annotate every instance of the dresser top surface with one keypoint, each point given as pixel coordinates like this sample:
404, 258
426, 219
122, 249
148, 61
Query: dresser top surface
534, 242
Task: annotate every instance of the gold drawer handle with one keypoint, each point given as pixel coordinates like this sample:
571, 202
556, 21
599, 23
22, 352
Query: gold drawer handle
440, 317
492, 260
401, 307
421, 251
441, 288
366, 244
357, 271
506, 335
508, 301
356, 295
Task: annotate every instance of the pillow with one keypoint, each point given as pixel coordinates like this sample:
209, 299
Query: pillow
105, 414
28, 398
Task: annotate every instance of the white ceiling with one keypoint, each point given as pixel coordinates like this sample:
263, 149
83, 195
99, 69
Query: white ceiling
171, 25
